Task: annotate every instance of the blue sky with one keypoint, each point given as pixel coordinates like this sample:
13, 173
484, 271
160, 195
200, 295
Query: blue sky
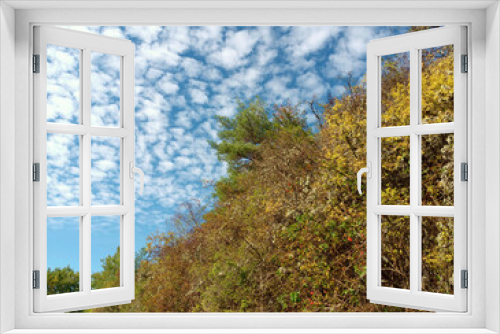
184, 77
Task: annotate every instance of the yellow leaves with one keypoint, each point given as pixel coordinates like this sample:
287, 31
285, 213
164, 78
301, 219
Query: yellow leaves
297, 213
271, 205
438, 87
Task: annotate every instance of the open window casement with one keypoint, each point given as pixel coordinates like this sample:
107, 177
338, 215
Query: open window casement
416, 155
55, 135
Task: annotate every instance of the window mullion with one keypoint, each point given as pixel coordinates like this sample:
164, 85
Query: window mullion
85, 274
414, 171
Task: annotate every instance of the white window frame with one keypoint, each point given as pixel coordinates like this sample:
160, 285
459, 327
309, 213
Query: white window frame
86, 43
413, 44
483, 20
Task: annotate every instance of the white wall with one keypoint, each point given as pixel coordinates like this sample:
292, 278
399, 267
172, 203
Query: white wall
7, 160
492, 165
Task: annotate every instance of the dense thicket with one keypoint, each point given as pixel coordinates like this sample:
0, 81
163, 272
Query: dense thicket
287, 231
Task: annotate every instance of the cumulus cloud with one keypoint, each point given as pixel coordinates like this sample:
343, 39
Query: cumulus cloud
198, 96
237, 46
206, 40
302, 41
167, 85
184, 77
278, 85
312, 84
349, 55
144, 34
63, 84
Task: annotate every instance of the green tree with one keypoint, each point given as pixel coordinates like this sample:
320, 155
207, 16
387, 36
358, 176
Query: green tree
240, 136
62, 280
289, 232
109, 276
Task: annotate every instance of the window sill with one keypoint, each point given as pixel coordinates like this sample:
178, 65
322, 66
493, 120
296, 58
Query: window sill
249, 331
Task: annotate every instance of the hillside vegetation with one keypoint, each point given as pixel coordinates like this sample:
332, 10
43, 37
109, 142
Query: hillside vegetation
286, 231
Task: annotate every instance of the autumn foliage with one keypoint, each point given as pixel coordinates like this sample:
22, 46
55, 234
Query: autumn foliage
286, 230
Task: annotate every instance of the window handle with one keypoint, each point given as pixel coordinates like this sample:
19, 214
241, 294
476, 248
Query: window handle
368, 171
132, 171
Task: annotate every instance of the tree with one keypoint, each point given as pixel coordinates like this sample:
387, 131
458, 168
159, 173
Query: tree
241, 136
62, 280
287, 232
109, 276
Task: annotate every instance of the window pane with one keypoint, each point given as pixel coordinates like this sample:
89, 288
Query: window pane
395, 162
395, 89
63, 169
437, 255
63, 255
437, 170
105, 89
437, 84
105, 260
395, 252
63, 84
105, 170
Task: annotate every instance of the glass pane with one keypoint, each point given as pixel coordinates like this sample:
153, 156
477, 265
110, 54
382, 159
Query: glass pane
437, 255
395, 89
437, 84
395, 252
437, 170
63, 169
105, 258
105, 89
105, 170
395, 160
63, 84
63, 255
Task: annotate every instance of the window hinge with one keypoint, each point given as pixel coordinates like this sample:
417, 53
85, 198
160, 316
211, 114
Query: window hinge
464, 172
465, 64
36, 172
465, 279
36, 63
36, 279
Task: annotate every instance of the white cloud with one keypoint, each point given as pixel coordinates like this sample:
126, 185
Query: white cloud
237, 46
301, 41
105, 89
153, 73
106, 165
225, 105
198, 96
191, 67
278, 85
357, 39
338, 90
206, 39
178, 132
212, 74
207, 128
184, 120
165, 166
178, 38
183, 161
112, 32
185, 76
265, 54
158, 54
312, 84
349, 55
342, 63
145, 34
63, 84
167, 85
